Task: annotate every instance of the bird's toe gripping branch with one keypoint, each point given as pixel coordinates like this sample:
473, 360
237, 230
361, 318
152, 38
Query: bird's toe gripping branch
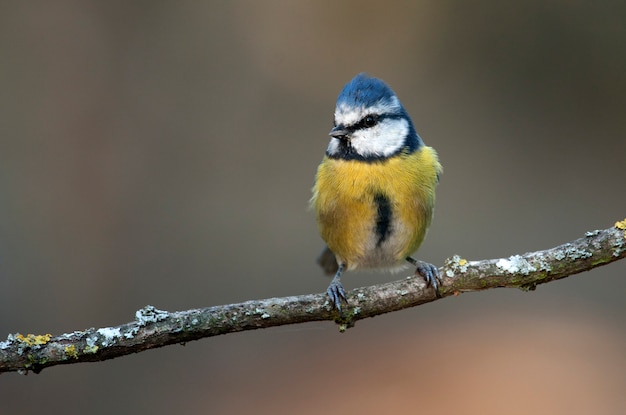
429, 272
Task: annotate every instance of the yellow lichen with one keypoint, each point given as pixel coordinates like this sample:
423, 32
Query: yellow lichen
621, 225
90, 349
71, 351
462, 262
34, 339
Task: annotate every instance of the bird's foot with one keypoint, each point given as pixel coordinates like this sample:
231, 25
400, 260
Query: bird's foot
429, 272
336, 292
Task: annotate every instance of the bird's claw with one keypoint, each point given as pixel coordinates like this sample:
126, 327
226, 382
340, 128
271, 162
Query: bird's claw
430, 273
336, 293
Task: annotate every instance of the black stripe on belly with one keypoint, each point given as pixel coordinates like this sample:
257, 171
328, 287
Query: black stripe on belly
383, 217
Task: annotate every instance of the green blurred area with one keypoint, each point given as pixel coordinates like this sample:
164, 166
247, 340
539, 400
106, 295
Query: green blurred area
163, 153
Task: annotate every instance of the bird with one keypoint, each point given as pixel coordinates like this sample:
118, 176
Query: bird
374, 191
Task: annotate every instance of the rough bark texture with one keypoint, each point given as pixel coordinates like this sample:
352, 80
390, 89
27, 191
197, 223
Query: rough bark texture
156, 328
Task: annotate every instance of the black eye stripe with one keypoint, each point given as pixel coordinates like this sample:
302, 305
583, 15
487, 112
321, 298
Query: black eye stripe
368, 121
363, 124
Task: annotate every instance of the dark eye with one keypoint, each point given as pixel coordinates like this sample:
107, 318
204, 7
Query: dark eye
370, 121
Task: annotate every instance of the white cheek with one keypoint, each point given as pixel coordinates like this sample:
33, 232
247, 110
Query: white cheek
384, 139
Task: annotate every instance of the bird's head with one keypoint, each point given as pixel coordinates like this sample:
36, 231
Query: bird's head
370, 123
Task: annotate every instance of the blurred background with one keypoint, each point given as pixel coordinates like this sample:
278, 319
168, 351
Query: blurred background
163, 153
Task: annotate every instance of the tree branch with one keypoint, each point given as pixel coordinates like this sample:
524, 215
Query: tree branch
154, 328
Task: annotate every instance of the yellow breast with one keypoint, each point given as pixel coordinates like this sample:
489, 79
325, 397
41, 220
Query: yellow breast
347, 199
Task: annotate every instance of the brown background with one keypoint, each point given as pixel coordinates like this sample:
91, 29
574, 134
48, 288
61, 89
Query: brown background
163, 153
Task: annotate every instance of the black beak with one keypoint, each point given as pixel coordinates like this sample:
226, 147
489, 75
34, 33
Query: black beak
339, 132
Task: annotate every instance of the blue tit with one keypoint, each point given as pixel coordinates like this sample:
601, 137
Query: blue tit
374, 192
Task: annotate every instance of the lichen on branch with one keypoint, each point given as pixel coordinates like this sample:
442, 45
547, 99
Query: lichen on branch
154, 328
